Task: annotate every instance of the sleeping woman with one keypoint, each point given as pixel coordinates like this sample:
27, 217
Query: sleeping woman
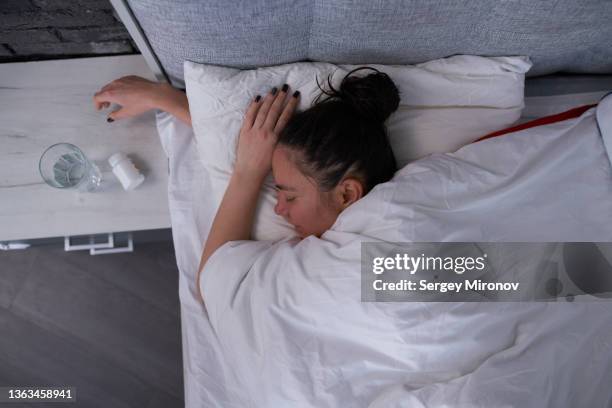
322, 159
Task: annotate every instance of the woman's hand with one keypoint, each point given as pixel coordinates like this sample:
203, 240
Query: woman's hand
262, 124
136, 95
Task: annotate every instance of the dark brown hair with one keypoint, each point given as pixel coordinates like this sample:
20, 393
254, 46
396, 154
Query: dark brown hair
343, 133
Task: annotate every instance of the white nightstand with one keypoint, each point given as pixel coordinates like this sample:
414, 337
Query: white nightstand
46, 102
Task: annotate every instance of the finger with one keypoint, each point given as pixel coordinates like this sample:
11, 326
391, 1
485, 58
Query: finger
98, 103
103, 97
287, 112
108, 87
118, 114
251, 113
102, 105
265, 107
276, 108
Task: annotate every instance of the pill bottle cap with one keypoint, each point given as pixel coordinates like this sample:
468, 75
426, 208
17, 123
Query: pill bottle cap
116, 159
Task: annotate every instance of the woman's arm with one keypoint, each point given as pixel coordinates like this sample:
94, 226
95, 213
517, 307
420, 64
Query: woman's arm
137, 95
234, 220
174, 101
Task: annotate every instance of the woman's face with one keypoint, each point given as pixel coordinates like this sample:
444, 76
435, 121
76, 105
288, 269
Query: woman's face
299, 201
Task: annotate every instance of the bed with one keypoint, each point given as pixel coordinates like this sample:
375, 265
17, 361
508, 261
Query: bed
209, 379
561, 37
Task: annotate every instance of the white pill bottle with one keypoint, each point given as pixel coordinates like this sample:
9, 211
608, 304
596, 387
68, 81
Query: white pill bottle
126, 172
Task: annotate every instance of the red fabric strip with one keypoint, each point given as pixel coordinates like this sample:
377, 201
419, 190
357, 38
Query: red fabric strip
572, 113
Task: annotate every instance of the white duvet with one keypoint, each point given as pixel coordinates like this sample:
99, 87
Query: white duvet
284, 324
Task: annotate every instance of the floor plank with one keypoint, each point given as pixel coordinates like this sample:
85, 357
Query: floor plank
14, 269
150, 272
108, 323
62, 361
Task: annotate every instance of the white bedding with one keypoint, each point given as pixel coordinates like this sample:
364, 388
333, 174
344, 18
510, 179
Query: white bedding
286, 325
444, 104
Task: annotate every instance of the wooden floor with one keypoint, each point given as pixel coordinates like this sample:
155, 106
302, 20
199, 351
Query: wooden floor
108, 325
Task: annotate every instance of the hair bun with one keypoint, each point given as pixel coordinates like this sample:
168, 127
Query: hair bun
374, 95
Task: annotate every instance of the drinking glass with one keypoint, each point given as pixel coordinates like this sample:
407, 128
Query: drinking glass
65, 166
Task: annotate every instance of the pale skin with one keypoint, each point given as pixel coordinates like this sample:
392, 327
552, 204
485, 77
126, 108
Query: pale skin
299, 199
138, 95
301, 202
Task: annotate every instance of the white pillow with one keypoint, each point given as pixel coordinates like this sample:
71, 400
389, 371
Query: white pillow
444, 105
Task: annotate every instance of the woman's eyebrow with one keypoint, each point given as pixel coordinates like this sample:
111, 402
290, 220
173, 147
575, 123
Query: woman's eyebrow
282, 187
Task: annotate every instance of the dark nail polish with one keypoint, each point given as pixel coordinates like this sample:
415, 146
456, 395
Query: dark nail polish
257, 98
273, 91
109, 120
285, 87
296, 94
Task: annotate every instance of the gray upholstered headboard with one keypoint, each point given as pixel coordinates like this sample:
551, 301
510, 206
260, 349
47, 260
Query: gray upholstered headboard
559, 35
